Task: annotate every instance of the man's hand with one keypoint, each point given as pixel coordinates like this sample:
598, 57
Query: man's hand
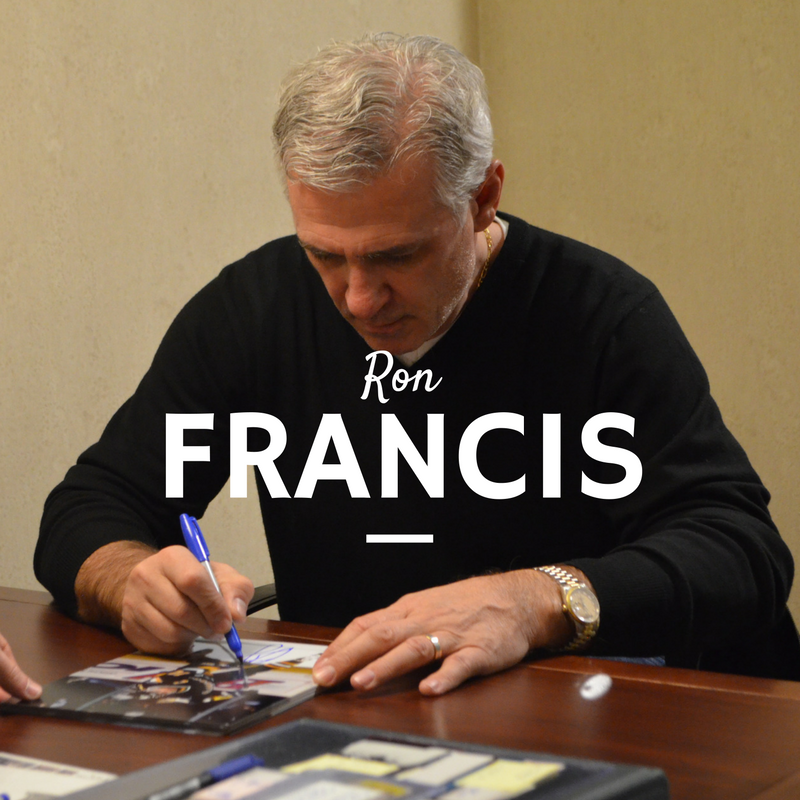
170, 599
165, 599
483, 624
13, 681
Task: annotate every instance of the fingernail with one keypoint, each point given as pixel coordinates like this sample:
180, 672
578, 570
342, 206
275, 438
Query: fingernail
364, 679
217, 638
431, 686
325, 675
32, 690
241, 607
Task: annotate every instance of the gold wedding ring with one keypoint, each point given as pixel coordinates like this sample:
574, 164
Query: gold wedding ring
437, 647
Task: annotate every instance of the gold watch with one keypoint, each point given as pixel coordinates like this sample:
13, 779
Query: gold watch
580, 605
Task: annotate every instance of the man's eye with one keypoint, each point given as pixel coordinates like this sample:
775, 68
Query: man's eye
393, 260
324, 258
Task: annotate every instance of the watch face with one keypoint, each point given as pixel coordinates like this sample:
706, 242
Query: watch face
583, 604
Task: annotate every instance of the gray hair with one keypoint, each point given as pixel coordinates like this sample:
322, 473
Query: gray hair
355, 109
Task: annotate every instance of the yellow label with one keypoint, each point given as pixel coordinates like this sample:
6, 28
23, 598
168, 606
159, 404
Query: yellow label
343, 763
386, 788
512, 777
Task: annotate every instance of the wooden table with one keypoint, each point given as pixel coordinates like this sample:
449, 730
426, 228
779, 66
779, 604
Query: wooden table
715, 736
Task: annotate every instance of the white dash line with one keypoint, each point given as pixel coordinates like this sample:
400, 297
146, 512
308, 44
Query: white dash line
399, 538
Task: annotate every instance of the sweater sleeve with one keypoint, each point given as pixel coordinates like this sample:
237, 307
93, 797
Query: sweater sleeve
116, 490
700, 565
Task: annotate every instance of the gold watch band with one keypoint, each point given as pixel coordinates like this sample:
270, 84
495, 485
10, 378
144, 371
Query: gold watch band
584, 632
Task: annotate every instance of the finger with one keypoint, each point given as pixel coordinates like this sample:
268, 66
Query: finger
175, 618
191, 579
341, 660
169, 640
358, 627
153, 599
237, 590
411, 654
12, 679
14, 682
166, 625
456, 668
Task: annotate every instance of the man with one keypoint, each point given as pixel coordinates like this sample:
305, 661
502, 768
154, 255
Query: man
547, 408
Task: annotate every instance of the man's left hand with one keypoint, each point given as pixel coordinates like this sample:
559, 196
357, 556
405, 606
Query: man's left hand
482, 624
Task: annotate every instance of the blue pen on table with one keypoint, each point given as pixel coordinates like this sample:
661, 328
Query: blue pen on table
226, 770
193, 537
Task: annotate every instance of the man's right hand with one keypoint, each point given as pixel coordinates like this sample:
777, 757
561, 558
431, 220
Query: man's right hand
160, 600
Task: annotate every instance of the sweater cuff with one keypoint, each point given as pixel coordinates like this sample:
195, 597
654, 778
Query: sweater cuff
637, 604
58, 564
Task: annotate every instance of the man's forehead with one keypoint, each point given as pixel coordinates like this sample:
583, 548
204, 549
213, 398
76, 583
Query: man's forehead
409, 181
381, 218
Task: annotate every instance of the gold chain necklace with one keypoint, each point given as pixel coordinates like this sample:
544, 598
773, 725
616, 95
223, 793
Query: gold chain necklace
488, 256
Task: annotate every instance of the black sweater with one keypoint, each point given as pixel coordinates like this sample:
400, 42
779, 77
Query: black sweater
688, 565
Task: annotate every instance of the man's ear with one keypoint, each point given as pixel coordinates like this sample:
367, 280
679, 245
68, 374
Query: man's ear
487, 199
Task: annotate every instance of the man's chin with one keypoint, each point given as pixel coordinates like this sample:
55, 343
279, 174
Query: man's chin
390, 346
395, 341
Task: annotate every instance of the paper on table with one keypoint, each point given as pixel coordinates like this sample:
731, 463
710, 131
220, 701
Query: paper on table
239, 786
21, 776
332, 790
201, 691
446, 769
404, 755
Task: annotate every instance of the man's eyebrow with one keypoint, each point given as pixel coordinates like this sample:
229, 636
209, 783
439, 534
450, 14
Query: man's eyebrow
393, 252
317, 251
389, 252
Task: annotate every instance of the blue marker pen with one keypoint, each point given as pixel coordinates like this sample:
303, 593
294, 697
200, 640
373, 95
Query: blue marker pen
193, 537
224, 771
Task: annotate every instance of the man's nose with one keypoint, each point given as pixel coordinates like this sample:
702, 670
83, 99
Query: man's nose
366, 292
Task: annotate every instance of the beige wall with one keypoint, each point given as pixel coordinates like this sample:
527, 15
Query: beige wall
135, 163
667, 134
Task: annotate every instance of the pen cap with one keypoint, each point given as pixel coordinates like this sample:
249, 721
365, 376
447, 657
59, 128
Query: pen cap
235, 767
234, 642
193, 538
